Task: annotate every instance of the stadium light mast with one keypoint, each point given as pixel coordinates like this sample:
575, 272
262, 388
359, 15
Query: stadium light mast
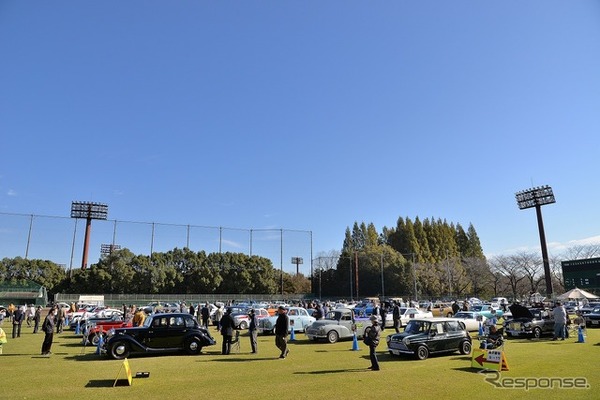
89, 211
537, 197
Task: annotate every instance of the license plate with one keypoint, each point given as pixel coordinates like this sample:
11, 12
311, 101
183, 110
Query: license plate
595, 322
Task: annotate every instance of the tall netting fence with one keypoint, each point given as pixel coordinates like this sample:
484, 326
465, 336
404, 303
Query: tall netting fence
61, 240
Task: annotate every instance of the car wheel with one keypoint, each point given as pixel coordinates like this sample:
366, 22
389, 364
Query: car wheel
537, 333
332, 336
422, 353
94, 338
449, 315
193, 346
243, 325
119, 350
465, 348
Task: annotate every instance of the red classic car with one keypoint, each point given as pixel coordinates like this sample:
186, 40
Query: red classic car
101, 328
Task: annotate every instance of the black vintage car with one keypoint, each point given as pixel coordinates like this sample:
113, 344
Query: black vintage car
529, 322
424, 336
161, 333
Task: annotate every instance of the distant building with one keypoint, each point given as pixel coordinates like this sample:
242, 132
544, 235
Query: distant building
25, 293
584, 274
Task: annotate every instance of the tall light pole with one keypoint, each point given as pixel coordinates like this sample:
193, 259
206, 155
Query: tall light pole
89, 211
537, 197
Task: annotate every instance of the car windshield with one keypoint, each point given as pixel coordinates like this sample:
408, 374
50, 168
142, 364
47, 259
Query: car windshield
334, 315
417, 327
463, 315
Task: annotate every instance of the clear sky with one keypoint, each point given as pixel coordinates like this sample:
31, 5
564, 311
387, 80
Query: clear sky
304, 116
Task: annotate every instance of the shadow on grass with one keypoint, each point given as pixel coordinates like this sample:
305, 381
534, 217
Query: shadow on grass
333, 371
468, 369
99, 383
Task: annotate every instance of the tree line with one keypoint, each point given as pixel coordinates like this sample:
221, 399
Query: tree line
429, 259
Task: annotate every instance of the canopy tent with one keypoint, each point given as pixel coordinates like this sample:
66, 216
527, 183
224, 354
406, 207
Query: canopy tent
577, 293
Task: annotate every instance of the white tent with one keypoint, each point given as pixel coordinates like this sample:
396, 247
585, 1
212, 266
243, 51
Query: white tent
577, 294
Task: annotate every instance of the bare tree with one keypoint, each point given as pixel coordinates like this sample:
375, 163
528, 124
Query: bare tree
580, 252
510, 270
532, 267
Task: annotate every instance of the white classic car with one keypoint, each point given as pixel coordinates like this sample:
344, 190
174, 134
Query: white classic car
299, 320
406, 314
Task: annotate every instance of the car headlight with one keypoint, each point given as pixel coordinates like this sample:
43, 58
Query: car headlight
388, 339
406, 341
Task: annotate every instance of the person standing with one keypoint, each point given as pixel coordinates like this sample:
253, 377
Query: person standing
282, 326
36, 318
383, 314
60, 319
396, 317
227, 328
218, 316
139, 317
560, 321
48, 329
253, 331
373, 336
18, 317
205, 315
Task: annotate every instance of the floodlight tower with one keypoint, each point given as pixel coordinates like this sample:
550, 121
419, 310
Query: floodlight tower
89, 211
537, 197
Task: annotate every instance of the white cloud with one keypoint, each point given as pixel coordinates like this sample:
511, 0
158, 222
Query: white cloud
11, 192
553, 247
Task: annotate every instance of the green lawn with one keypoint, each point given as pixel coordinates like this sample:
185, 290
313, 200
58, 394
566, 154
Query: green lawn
312, 371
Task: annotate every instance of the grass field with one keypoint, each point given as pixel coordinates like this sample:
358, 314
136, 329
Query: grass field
312, 371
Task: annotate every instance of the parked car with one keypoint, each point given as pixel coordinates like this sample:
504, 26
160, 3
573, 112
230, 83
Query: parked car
471, 319
529, 322
102, 329
161, 307
242, 320
160, 333
425, 336
337, 324
408, 313
589, 308
593, 318
441, 310
486, 310
299, 320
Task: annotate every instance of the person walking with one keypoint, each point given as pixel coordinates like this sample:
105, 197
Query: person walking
37, 318
282, 326
18, 317
48, 329
560, 321
373, 334
227, 328
253, 331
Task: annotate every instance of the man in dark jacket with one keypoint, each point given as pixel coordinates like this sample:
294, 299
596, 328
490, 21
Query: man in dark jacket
48, 329
396, 317
205, 315
37, 318
227, 328
281, 331
18, 318
252, 330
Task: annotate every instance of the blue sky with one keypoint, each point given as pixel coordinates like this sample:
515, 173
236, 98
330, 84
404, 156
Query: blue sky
304, 116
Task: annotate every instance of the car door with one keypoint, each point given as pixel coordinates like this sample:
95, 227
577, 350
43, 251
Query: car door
155, 336
175, 332
437, 337
454, 334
